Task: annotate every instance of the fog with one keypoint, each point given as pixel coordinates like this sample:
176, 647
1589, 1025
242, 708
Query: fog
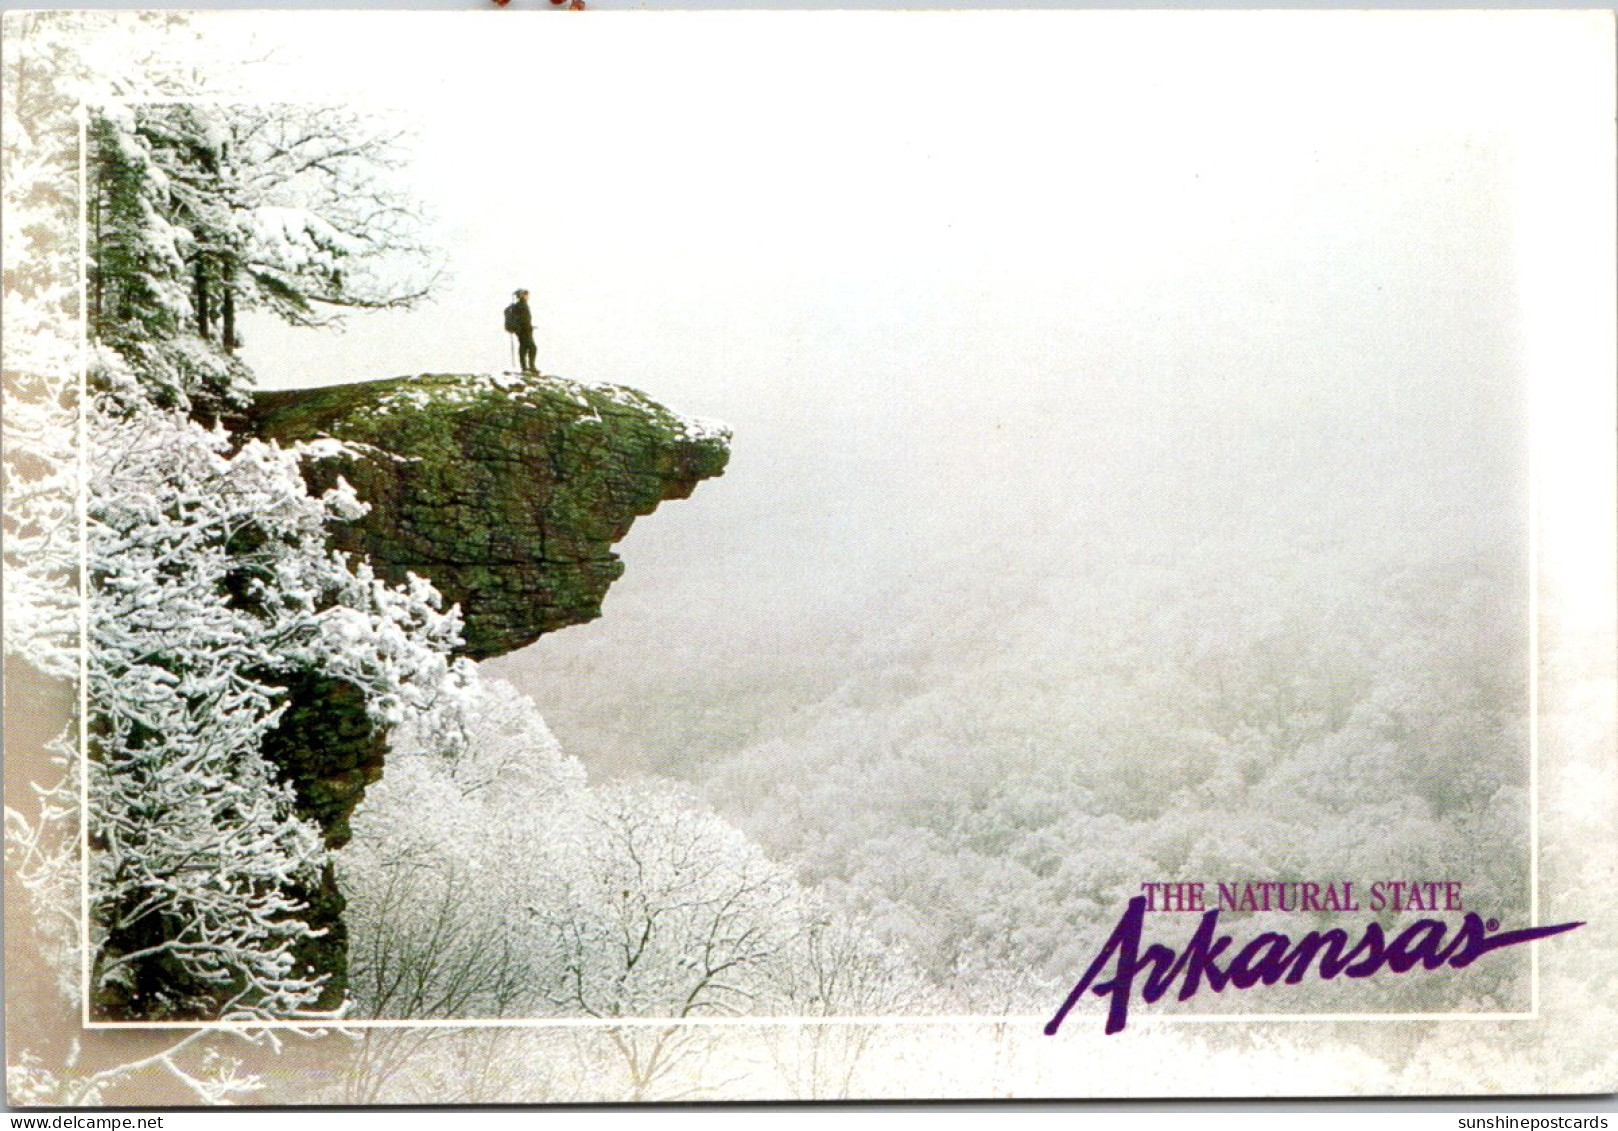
1105, 392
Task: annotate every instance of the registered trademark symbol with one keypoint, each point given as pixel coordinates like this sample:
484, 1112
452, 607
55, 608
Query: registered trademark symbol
1493, 924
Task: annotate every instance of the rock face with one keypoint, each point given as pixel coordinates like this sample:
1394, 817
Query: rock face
506, 492
328, 747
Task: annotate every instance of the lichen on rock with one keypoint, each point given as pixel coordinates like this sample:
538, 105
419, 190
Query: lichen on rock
506, 492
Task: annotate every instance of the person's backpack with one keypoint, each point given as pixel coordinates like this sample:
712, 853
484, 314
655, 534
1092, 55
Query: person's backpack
513, 319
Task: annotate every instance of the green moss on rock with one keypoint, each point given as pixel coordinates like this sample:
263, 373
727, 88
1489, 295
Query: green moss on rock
506, 492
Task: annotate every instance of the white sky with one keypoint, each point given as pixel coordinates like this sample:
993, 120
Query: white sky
661, 178
929, 264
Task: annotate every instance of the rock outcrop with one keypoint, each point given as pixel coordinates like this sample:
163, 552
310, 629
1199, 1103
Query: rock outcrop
506, 492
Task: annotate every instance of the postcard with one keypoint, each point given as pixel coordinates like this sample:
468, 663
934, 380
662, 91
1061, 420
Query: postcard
561, 557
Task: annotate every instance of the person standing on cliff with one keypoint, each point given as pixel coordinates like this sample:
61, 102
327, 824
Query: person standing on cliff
520, 321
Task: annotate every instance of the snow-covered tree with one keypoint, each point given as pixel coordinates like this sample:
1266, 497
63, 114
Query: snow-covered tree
209, 579
441, 847
840, 969
653, 907
316, 222
487, 878
40, 347
658, 908
200, 209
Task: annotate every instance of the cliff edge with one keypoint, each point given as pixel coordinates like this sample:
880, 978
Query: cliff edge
506, 492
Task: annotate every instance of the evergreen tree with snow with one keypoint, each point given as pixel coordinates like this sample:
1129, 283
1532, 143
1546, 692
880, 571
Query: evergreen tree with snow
200, 211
